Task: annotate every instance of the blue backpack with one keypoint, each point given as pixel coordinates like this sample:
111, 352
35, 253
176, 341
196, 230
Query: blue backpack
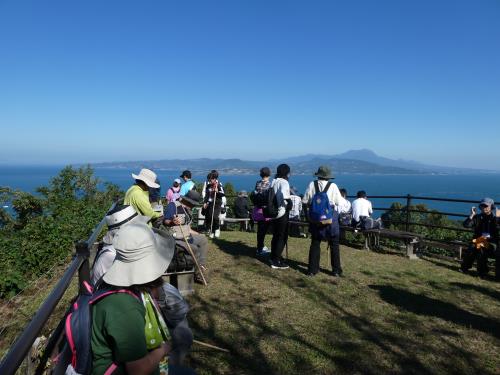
320, 211
76, 355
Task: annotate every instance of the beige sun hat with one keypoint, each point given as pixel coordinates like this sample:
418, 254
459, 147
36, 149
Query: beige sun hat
148, 177
120, 216
142, 255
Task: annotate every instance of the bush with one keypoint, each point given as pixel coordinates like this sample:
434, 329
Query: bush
44, 227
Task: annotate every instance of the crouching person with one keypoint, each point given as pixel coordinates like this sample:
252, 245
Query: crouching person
178, 217
485, 239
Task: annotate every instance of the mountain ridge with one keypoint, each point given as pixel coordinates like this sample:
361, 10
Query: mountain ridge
362, 161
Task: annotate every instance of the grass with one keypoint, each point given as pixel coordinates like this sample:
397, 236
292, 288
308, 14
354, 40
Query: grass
387, 315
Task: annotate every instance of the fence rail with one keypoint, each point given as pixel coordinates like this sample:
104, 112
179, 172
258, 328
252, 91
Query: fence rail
80, 264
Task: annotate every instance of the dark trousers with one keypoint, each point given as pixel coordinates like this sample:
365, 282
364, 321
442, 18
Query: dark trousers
280, 236
315, 254
471, 254
262, 227
208, 216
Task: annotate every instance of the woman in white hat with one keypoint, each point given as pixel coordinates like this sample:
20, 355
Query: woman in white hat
128, 332
137, 195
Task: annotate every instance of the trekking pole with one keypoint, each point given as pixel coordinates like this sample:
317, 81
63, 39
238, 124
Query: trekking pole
213, 211
194, 257
210, 346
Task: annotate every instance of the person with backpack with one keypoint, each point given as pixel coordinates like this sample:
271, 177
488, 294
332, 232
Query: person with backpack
258, 198
321, 197
128, 333
174, 192
279, 205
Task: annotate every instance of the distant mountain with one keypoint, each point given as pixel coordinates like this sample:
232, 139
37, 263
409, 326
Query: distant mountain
362, 161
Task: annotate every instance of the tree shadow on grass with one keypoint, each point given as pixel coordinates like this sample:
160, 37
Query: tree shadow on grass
238, 249
480, 289
423, 305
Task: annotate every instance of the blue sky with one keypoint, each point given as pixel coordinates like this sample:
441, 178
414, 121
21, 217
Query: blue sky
89, 81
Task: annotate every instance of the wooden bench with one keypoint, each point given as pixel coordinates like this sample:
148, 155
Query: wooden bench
372, 238
455, 246
411, 240
238, 220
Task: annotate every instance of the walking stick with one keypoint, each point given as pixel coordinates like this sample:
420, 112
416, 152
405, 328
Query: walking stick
210, 346
194, 257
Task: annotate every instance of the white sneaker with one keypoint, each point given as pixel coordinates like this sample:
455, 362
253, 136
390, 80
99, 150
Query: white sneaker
217, 233
211, 235
266, 250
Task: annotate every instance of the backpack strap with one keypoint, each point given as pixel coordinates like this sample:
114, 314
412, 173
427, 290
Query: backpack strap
316, 186
104, 293
327, 187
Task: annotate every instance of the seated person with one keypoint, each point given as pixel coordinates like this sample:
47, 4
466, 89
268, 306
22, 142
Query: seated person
295, 213
175, 313
118, 217
344, 208
485, 239
241, 208
362, 211
137, 195
178, 217
174, 192
124, 338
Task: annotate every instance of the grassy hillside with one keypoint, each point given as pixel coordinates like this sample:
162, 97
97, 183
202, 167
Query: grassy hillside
387, 315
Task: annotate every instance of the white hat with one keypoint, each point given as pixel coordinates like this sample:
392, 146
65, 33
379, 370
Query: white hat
142, 255
119, 216
148, 177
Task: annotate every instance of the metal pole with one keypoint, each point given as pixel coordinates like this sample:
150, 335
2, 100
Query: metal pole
408, 203
83, 251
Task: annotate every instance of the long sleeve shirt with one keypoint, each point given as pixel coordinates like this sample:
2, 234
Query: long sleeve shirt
139, 199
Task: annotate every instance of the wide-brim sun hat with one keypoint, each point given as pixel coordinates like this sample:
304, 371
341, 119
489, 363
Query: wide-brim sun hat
119, 216
142, 255
148, 177
324, 171
192, 197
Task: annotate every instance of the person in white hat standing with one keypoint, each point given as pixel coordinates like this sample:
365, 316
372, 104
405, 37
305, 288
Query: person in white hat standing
137, 195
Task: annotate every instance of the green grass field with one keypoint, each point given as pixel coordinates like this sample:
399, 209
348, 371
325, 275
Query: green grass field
387, 315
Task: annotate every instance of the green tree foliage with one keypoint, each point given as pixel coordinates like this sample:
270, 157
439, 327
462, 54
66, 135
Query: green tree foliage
230, 193
44, 227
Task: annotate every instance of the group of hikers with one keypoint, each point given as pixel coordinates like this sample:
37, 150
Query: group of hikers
139, 322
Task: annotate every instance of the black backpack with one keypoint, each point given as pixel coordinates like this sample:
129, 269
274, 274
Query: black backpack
270, 209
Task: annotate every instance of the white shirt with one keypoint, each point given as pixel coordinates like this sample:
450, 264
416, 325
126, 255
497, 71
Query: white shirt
361, 207
282, 191
296, 206
333, 193
344, 206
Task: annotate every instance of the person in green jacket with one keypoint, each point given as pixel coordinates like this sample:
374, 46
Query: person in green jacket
137, 195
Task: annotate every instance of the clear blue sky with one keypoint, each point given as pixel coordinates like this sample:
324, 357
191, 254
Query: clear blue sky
88, 81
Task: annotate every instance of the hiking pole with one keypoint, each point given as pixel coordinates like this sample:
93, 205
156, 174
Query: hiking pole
194, 257
210, 346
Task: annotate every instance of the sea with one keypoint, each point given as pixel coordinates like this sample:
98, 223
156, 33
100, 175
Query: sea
463, 187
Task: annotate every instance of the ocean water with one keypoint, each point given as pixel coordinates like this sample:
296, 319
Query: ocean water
466, 187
